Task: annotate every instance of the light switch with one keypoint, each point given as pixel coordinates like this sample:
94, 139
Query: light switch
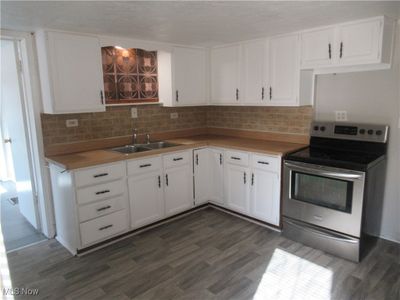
71, 123
134, 113
174, 115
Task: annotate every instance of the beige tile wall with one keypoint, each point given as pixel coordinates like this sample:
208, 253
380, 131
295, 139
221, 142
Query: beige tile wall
117, 121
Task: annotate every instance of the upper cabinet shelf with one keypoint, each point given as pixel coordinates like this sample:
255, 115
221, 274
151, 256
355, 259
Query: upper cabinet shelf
354, 46
70, 72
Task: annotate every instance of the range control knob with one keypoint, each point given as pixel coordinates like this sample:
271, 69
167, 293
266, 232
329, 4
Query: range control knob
370, 132
379, 132
316, 128
322, 128
362, 131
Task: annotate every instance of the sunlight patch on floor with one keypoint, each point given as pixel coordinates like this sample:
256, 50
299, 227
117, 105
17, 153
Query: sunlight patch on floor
23, 186
291, 277
2, 190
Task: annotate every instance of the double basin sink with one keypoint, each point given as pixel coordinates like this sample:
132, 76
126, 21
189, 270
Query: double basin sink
127, 149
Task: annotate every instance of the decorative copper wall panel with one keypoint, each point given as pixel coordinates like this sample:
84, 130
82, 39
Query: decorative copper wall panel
130, 75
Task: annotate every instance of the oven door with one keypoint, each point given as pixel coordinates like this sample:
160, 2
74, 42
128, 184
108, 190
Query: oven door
328, 197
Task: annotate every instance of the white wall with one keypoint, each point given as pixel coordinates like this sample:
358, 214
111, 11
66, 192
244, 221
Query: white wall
370, 97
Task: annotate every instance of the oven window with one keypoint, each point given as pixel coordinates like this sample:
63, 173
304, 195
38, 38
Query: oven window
323, 191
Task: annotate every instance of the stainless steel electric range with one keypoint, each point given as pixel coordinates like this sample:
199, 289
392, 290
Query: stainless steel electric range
333, 189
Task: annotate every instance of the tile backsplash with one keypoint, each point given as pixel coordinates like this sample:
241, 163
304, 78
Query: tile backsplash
117, 121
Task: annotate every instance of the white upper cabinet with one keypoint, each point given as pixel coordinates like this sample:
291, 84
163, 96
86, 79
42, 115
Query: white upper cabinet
70, 72
355, 46
317, 47
253, 72
284, 70
182, 77
225, 74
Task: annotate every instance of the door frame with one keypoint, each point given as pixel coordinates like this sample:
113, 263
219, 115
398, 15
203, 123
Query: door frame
32, 106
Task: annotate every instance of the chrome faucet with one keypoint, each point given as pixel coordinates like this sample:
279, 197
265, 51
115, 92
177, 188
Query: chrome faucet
148, 138
134, 136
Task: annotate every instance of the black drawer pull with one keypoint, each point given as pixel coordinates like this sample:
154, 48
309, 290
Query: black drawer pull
100, 175
105, 227
102, 192
235, 158
179, 158
104, 208
145, 165
263, 162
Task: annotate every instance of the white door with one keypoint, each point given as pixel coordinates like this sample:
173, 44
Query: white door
201, 176
178, 189
318, 48
189, 69
358, 42
14, 131
265, 193
253, 68
284, 70
225, 73
76, 73
217, 176
237, 188
146, 198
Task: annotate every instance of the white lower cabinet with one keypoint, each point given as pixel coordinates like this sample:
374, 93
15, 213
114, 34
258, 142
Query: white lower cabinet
237, 188
146, 198
216, 176
201, 169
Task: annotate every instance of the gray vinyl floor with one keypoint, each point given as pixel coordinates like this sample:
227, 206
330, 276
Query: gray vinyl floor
206, 255
16, 230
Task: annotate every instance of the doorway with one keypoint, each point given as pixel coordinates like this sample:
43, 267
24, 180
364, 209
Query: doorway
20, 222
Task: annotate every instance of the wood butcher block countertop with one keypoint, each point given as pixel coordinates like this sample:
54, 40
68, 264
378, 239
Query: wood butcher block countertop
95, 157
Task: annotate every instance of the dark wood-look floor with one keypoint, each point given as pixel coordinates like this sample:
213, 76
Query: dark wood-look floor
206, 255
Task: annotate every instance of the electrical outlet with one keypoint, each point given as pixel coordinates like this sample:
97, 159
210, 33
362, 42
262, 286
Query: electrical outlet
134, 113
174, 115
340, 115
71, 123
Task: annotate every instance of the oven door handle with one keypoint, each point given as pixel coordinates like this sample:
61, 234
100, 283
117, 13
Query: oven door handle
321, 172
323, 234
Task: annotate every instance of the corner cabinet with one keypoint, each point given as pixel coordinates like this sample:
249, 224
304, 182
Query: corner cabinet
70, 72
182, 76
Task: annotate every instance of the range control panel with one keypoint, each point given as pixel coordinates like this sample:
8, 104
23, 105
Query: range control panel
350, 131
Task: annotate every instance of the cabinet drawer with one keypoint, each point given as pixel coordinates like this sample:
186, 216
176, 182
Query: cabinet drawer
99, 174
97, 209
237, 158
104, 227
268, 163
140, 166
100, 191
176, 159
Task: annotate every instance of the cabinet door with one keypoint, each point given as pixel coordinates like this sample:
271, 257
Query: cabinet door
253, 68
217, 176
225, 71
284, 70
317, 48
265, 193
76, 73
146, 201
358, 42
189, 69
201, 176
178, 190
237, 188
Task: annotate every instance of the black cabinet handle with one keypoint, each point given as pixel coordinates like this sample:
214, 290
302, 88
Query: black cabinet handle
330, 50
262, 93
102, 192
220, 159
166, 179
145, 166
270, 93
101, 97
159, 181
244, 177
178, 158
176, 96
235, 158
237, 94
341, 49
105, 227
100, 175
263, 162
104, 208
197, 159
252, 179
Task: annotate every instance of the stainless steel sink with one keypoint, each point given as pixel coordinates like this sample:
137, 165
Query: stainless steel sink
158, 145
130, 149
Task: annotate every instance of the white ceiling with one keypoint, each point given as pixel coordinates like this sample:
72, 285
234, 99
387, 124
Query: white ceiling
187, 22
